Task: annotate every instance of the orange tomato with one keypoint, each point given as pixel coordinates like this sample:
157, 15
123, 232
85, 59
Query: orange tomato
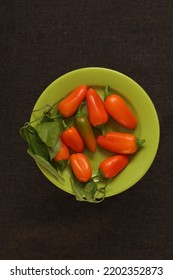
72, 139
63, 154
119, 111
69, 105
111, 166
118, 142
81, 167
96, 110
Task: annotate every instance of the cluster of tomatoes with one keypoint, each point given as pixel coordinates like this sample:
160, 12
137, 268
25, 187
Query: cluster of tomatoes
81, 134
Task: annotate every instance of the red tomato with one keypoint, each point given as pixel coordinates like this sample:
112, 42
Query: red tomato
71, 137
63, 154
96, 110
118, 142
81, 167
119, 111
69, 105
111, 166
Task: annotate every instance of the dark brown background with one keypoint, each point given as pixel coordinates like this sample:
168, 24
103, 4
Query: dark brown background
41, 40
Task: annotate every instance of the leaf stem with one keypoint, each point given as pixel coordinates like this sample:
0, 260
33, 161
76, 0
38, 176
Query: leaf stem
29, 123
42, 108
102, 128
140, 142
65, 126
107, 93
79, 113
47, 105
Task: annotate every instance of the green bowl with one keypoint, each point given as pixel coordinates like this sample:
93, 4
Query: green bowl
140, 104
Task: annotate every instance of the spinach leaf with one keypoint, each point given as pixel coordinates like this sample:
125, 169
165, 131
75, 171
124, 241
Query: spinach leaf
46, 118
36, 146
54, 150
61, 164
88, 192
99, 195
49, 131
77, 187
46, 165
37, 149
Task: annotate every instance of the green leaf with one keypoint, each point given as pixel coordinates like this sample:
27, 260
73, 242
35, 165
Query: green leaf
61, 164
26, 131
37, 147
46, 118
49, 131
54, 150
46, 165
99, 195
89, 190
38, 150
77, 187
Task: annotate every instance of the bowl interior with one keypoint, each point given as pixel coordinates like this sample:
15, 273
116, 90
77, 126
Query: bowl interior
140, 104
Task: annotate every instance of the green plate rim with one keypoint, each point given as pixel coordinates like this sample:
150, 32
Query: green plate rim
156, 119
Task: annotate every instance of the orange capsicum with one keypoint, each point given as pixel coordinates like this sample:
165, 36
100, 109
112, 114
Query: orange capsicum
71, 137
119, 110
69, 105
111, 166
118, 142
81, 167
97, 113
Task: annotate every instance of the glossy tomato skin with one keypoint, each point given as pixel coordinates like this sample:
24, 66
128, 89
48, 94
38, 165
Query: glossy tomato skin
69, 105
63, 154
111, 166
81, 167
96, 109
119, 111
117, 142
72, 139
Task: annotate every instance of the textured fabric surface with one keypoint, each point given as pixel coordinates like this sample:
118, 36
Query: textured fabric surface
40, 41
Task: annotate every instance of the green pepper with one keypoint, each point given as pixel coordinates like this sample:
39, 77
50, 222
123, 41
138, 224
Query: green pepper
84, 128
